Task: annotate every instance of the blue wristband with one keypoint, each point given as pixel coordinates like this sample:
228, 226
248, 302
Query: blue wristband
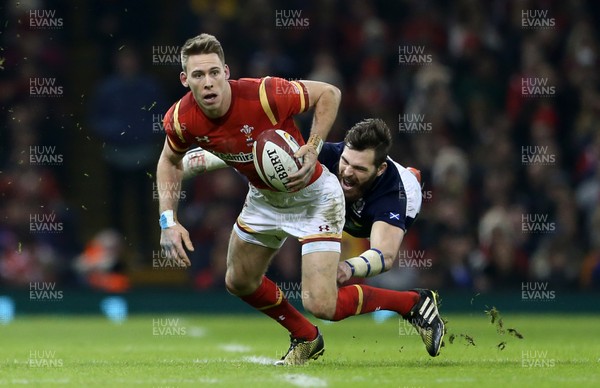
166, 219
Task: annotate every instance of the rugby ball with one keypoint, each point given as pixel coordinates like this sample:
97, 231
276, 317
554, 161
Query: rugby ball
274, 160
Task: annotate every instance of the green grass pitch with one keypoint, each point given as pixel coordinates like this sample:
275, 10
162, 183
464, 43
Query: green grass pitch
237, 350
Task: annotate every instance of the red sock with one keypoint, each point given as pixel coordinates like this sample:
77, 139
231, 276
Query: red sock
360, 299
269, 300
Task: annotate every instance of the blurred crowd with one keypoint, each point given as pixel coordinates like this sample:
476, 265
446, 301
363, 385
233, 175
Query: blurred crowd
505, 102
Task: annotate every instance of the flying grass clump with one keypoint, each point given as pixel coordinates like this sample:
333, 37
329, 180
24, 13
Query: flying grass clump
496, 319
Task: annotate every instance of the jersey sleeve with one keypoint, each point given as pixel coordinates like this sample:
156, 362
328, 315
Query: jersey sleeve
177, 137
391, 209
281, 99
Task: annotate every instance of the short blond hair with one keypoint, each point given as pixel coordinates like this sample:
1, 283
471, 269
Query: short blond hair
201, 44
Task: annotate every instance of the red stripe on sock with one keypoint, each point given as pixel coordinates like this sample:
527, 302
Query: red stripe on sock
269, 300
350, 302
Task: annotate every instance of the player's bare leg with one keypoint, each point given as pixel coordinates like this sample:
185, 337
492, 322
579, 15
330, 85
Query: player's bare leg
246, 265
245, 278
319, 295
324, 300
319, 288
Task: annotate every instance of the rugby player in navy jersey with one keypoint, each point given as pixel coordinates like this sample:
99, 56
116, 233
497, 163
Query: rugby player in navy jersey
383, 199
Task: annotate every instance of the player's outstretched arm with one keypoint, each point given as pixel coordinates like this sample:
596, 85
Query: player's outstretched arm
385, 243
325, 99
168, 181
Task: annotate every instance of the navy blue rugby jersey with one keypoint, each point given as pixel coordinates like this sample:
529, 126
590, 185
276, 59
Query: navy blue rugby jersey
386, 201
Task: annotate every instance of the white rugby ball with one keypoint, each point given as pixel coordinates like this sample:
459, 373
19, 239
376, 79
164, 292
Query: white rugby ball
274, 160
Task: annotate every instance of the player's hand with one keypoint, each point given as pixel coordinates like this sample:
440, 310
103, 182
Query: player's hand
172, 240
300, 179
344, 273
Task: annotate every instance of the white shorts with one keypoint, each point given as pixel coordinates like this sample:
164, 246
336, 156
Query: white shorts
314, 215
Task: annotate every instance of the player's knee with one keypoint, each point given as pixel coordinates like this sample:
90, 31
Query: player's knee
231, 285
319, 307
239, 285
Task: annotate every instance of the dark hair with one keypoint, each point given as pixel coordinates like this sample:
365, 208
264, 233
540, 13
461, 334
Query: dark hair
201, 44
370, 134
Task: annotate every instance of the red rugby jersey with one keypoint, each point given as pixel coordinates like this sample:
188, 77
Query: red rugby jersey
256, 106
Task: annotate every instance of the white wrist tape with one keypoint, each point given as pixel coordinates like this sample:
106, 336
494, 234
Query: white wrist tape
166, 219
197, 161
369, 263
316, 142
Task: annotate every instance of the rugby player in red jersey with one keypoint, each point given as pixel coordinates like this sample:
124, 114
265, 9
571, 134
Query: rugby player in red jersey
383, 198
224, 117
